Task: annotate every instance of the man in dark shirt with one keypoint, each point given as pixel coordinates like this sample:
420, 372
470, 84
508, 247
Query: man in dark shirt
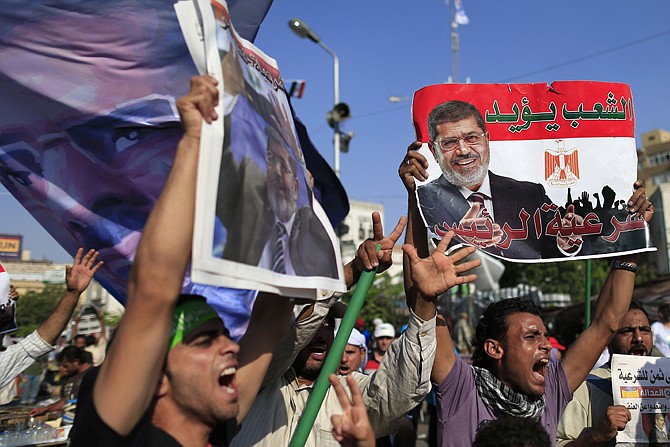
74, 362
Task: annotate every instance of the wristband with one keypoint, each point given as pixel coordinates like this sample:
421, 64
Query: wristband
623, 265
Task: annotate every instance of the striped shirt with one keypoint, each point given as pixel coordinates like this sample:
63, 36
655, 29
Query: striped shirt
21, 355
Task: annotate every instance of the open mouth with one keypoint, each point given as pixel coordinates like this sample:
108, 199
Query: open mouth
318, 352
344, 370
465, 161
638, 350
540, 369
227, 380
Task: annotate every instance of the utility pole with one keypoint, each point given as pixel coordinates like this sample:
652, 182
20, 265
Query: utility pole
454, 42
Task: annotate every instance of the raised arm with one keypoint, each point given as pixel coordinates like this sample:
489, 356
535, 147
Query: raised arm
367, 257
269, 321
433, 276
611, 307
138, 353
308, 319
77, 279
413, 167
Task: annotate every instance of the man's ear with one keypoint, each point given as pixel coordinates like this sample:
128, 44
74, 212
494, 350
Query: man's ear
163, 385
432, 149
493, 349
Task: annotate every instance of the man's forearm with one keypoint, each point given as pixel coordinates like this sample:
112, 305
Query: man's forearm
298, 335
403, 377
423, 308
351, 275
157, 263
58, 319
615, 297
269, 321
415, 235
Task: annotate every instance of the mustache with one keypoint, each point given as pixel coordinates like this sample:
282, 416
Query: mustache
464, 157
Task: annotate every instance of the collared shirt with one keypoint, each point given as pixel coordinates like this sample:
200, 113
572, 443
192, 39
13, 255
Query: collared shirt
587, 408
21, 355
485, 189
400, 383
266, 258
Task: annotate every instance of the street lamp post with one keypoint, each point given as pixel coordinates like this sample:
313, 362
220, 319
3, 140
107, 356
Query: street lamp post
303, 30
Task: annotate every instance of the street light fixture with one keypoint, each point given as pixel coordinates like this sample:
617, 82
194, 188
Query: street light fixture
398, 98
305, 31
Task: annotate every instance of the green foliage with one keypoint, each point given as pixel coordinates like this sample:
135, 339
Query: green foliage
33, 308
112, 319
385, 300
565, 277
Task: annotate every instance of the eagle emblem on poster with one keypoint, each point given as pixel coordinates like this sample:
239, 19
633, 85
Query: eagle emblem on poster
561, 165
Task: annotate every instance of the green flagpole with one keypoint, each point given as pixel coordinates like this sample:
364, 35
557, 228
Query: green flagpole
333, 358
587, 294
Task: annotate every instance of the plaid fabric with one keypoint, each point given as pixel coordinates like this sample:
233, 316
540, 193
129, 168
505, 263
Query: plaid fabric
502, 400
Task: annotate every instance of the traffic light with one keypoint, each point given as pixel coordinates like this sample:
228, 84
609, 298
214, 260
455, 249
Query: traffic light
339, 113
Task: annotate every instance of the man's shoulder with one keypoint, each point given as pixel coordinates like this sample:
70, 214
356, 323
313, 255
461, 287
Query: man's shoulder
438, 184
439, 191
361, 379
509, 182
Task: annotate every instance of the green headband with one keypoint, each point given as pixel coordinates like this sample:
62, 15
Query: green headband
187, 317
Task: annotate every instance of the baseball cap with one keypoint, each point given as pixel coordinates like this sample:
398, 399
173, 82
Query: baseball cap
384, 330
191, 312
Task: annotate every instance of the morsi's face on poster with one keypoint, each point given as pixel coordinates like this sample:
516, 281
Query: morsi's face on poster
463, 164
282, 182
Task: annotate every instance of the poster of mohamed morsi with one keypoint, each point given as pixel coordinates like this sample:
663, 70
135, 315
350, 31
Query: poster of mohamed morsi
257, 224
530, 172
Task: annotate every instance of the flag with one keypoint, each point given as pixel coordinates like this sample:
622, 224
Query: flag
460, 16
295, 89
88, 121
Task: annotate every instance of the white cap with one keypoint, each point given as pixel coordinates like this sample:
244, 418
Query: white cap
384, 330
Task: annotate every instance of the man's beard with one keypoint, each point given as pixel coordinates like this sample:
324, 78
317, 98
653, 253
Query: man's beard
475, 177
308, 370
282, 208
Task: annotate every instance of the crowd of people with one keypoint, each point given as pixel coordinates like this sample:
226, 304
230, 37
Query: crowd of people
172, 376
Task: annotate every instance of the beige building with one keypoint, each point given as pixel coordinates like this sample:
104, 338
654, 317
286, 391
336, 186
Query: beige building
654, 159
33, 276
654, 169
359, 225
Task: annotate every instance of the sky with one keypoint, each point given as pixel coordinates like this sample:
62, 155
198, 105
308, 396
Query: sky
394, 48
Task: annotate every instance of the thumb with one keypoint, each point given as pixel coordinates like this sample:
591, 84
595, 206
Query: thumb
410, 251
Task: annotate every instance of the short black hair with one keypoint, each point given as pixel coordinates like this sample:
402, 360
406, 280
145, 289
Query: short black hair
493, 325
451, 112
85, 357
637, 304
70, 354
511, 432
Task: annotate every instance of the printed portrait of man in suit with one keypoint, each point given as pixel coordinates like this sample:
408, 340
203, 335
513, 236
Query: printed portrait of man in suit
470, 195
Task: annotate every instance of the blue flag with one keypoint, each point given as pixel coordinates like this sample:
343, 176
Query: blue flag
88, 123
